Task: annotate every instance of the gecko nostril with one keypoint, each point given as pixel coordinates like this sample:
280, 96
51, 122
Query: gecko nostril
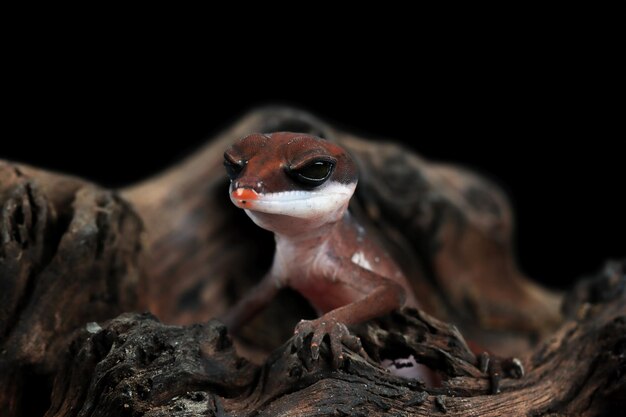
254, 184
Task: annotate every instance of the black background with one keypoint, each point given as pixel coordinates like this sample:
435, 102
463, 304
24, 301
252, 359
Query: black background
537, 117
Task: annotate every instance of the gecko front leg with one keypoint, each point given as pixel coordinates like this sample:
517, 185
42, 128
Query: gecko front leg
380, 296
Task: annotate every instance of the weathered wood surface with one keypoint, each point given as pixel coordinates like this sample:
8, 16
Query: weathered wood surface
73, 254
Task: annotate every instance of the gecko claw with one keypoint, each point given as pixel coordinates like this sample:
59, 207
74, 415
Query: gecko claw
302, 330
315, 351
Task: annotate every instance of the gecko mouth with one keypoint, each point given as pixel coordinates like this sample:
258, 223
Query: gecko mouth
296, 203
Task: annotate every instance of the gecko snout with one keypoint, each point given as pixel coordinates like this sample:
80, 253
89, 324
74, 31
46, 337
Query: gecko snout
242, 197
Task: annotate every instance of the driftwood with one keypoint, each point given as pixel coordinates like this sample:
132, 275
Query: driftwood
79, 265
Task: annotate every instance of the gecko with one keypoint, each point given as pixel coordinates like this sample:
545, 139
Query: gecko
299, 186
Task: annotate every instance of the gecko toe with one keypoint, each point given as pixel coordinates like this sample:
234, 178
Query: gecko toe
498, 368
352, 342
494, 370
336, 350
298, 341
316, 341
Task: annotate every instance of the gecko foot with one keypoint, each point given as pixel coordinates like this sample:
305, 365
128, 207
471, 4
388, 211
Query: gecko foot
497, 368
337, 332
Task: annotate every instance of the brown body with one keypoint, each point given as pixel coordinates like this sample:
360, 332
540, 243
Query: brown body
299, 187
337, 268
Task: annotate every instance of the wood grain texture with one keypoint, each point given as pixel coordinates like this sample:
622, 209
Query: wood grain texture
79, 264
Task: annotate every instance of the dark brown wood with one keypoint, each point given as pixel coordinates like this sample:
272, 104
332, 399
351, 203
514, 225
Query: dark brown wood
69, 255
73, 257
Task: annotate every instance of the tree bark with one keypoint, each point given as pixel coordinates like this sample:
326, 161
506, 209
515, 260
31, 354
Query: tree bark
79, 265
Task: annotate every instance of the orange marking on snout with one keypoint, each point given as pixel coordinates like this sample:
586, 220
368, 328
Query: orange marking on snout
244, 196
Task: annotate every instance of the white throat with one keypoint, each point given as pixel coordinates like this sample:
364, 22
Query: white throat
290, 212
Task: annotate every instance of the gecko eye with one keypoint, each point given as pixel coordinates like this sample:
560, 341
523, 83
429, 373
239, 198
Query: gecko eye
233, 169
312, 174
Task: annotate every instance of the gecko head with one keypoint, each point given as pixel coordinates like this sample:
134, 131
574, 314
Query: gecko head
292, 175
